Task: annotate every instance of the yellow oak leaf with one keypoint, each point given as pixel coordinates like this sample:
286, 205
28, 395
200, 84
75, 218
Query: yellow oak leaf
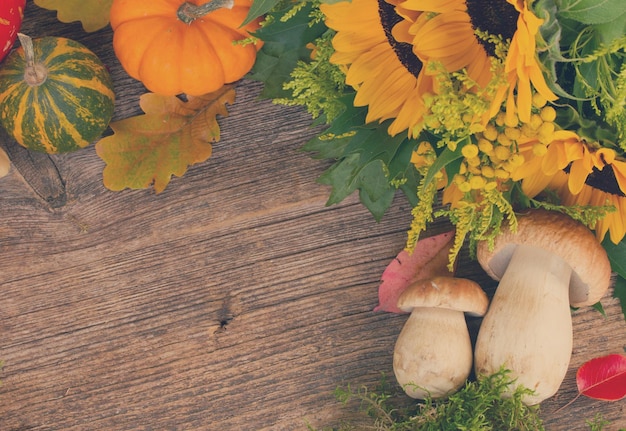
93, 14
171, 136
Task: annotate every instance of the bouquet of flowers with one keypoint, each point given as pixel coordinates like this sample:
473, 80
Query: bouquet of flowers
490, 106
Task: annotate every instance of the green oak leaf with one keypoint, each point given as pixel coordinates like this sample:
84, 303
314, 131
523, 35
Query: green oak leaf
371, 160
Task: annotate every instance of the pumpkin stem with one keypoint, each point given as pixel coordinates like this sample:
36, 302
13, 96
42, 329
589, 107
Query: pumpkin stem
35, 73
189, 12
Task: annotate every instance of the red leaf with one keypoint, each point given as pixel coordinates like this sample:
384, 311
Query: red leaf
603, 378
429, 259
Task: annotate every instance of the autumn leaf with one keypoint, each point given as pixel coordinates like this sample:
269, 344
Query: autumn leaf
93, 14
171, 136
429, 259
603, 378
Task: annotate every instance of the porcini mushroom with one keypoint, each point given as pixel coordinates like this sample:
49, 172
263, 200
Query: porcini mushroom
433, 353
550, 262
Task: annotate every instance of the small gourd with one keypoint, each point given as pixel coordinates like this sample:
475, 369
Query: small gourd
11, 15
55, 95
179, 46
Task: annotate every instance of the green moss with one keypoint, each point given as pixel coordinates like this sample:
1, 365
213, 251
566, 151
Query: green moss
478, 406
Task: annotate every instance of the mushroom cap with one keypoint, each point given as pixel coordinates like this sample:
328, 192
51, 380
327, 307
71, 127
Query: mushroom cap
452, 293
561, 235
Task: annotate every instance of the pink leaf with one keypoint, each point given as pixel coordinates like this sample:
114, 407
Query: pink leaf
603, 378
429, 259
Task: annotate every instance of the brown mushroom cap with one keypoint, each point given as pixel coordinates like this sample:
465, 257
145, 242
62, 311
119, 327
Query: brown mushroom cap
451, 293
563, 236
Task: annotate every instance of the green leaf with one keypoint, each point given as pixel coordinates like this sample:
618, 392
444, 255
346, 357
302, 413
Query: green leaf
592, 11
617, 257
608, 32
351, 174
373, 180
332, 143
342, 178
378, 207
364, 166
365, 147
284, 43
592, 129
330, 148
599, 308
374, 143
409, 187
446, 157
552, 32
620, 293
368, 160
375, 193
258, 8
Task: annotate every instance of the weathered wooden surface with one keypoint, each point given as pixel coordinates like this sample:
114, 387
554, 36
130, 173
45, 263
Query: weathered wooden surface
234, 300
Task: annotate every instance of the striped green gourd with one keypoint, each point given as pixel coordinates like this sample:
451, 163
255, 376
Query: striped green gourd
55, 95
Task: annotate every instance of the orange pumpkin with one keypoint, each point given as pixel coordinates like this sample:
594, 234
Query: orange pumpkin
183, 46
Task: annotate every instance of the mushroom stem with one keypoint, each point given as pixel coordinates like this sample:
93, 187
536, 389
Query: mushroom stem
528, 327
433, 353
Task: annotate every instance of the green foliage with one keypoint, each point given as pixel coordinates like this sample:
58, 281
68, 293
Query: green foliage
595, 130
597, 423
368, 160
591, 11
285, 36
586, 214
317, 84
446, 159
617, 256
259, 8
584, 51
601, 77
479, 406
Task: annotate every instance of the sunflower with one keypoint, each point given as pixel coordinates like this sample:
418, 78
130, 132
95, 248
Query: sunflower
522, 67
447, 31
580, 174
442, 31
386, 75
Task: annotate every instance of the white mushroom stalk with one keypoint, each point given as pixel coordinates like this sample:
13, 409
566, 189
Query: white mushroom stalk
433, 353
548, 264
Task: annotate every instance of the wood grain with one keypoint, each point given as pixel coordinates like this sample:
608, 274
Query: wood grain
234, 300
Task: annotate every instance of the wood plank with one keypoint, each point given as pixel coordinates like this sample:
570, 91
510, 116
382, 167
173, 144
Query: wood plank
234, 300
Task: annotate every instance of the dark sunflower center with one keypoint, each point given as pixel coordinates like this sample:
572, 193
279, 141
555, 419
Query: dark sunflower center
603, 180
496, 17
404, 51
